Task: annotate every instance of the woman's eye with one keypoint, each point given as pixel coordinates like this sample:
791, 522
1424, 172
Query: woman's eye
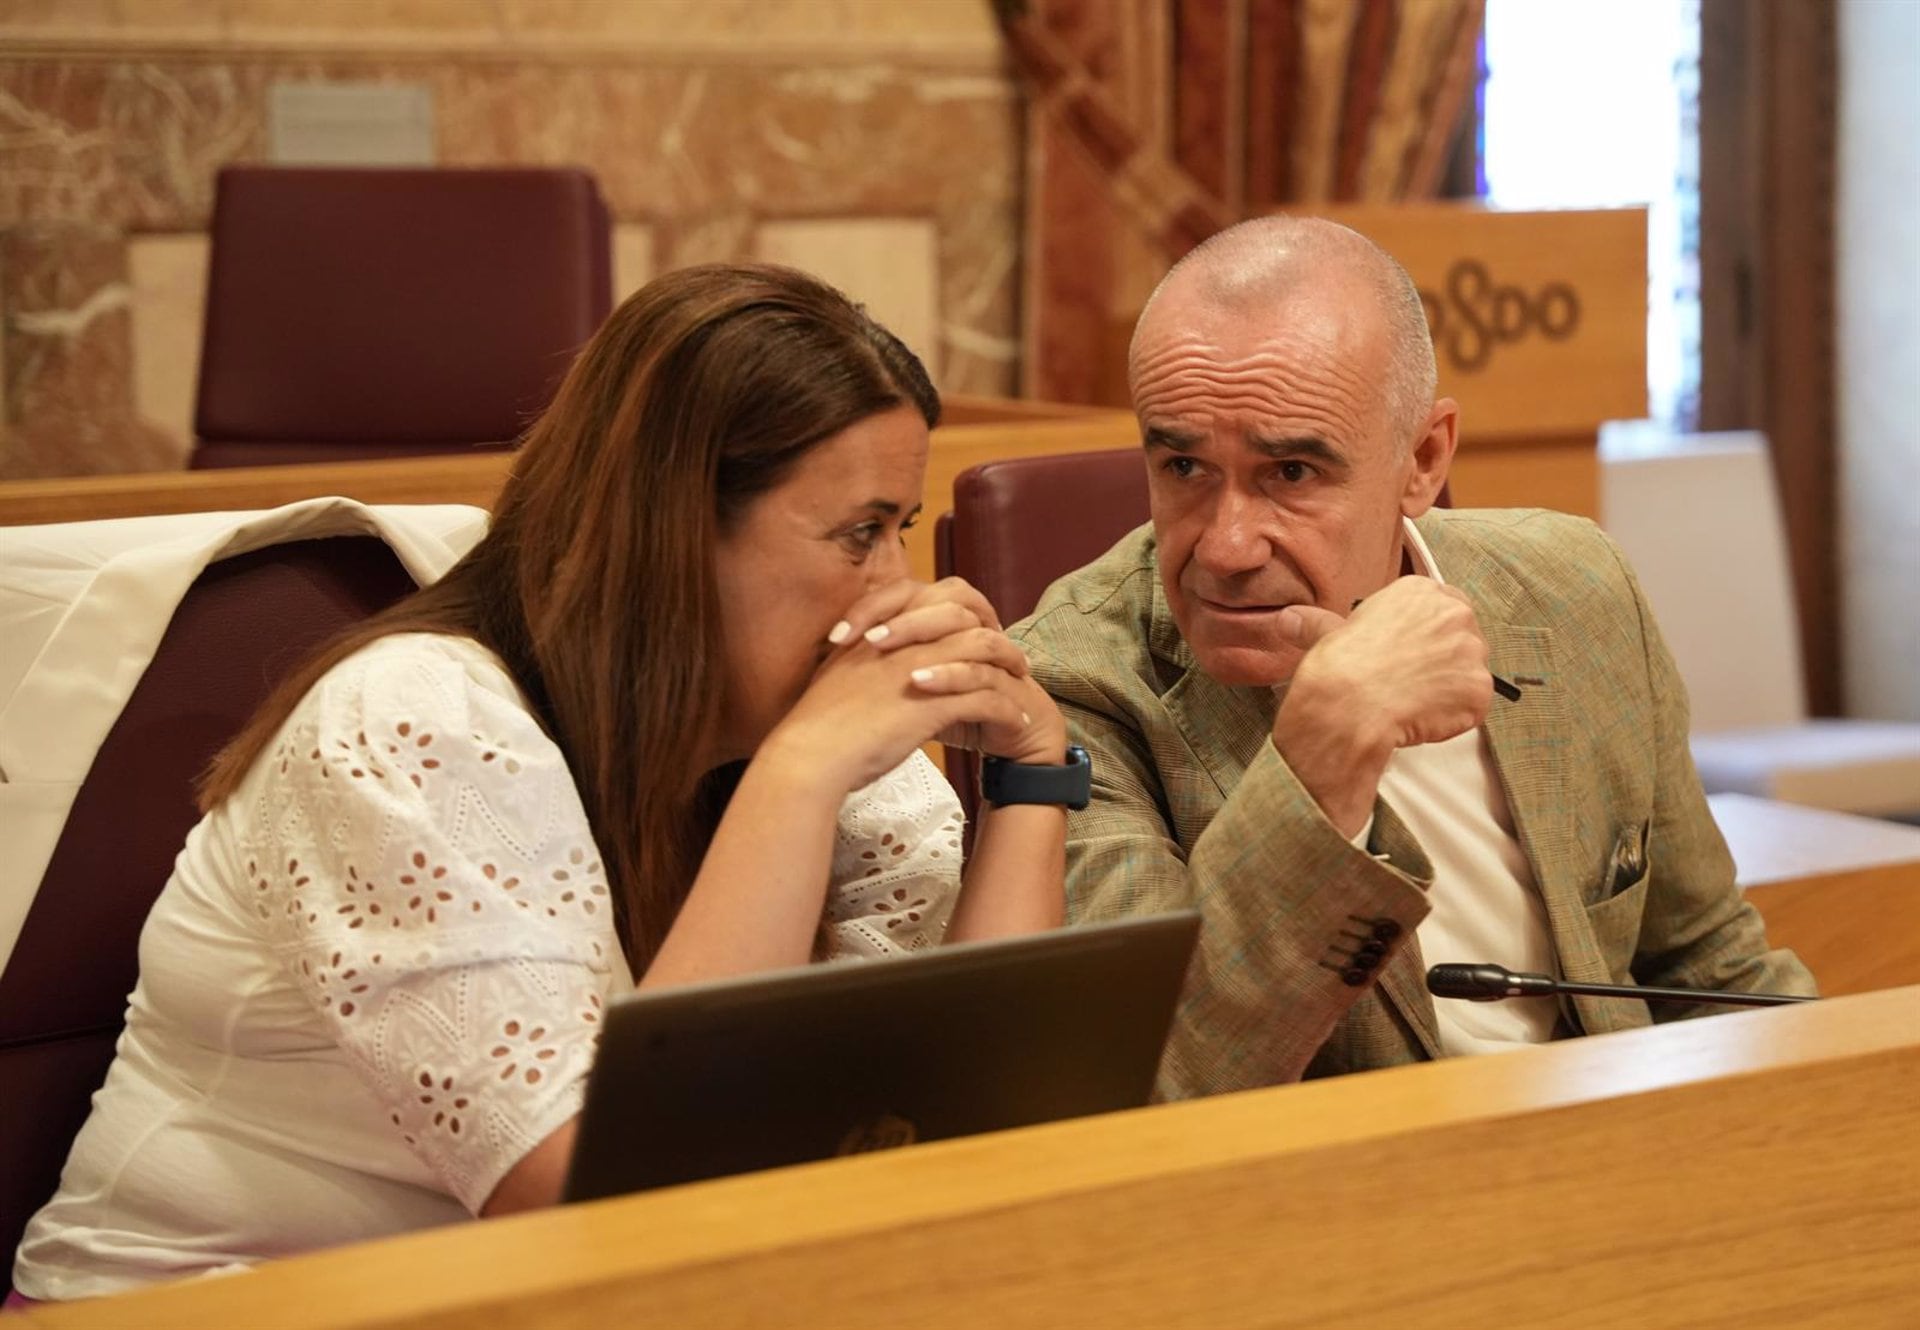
861, 538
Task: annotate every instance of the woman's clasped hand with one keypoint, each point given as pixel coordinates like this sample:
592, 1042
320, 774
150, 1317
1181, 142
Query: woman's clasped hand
911, 663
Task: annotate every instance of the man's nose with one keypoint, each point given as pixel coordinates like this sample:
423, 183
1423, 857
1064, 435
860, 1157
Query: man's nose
1232, 541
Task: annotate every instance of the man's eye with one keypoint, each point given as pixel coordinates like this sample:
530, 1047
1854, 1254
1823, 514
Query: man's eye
1181, 467
1295, 472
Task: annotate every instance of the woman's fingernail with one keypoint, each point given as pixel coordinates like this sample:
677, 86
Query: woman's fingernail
839, 633
878, 633
922, 676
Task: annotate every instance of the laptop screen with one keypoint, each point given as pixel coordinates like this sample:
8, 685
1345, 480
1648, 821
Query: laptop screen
797, 1065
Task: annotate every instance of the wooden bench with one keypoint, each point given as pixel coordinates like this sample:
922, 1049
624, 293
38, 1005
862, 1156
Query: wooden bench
1842, 891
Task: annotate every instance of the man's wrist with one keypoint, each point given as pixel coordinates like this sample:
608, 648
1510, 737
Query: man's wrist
1335, 754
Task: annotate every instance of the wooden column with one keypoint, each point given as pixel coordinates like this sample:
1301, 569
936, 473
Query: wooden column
1768, 88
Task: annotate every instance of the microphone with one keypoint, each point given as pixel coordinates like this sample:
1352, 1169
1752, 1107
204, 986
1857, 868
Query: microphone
1490, 983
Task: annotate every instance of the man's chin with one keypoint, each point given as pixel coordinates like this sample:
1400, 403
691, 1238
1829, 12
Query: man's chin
1246, 666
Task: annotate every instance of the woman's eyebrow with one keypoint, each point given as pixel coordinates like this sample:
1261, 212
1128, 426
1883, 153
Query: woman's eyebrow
886, 508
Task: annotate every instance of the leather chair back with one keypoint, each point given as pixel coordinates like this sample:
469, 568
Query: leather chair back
379, 312
242, 626
1019, 524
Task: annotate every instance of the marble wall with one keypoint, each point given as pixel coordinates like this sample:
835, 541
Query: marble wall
877, 142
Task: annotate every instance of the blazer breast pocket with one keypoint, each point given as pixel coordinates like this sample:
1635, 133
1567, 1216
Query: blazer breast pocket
1615, 922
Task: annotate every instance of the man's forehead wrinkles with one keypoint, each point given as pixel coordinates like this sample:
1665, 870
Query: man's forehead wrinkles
1190, 404
1203, 357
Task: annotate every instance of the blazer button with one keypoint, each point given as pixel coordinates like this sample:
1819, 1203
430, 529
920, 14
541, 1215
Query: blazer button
1366, 960
1386, 929
1371, 952
1354, 976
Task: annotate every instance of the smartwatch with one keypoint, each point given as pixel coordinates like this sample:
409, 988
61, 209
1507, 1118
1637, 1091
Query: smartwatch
1007, 782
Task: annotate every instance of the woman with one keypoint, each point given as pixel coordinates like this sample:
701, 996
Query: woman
660, 725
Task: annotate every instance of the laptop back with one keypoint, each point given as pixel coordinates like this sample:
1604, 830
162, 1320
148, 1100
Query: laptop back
782, 1068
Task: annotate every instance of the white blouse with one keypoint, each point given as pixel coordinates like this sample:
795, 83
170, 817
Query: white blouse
375, 978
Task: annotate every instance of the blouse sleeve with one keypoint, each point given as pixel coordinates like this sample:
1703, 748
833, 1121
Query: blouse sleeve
425, 872
896, 865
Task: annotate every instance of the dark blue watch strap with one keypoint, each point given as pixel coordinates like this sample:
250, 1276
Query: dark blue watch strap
1006, 782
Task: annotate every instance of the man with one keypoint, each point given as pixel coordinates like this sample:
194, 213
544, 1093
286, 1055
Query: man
1286, 683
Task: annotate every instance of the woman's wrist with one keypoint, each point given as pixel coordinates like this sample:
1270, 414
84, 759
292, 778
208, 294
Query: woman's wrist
797, 773
1043, 747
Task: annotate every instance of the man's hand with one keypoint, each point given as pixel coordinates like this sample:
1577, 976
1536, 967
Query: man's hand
1409, 666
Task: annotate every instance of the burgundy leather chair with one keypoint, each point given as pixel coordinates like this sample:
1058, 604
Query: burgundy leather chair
1018, 525
383, 312
245, 622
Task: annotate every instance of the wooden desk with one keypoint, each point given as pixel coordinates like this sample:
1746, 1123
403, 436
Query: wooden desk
1842, 891
1751, 1170
988, 430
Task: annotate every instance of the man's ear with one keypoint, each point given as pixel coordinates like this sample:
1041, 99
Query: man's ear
1431, 458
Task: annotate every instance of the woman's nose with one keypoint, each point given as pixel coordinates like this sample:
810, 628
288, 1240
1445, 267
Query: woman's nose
889, 562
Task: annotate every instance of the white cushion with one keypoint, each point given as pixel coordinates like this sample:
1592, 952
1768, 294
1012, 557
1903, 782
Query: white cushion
1697, 518
1852, 766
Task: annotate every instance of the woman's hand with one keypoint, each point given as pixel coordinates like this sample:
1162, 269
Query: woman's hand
916, 663
909, 613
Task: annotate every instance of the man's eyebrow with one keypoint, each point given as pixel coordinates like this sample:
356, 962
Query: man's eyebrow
1159, 436
1308, 447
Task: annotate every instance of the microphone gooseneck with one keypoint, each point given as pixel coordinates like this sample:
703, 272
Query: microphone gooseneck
1485, 982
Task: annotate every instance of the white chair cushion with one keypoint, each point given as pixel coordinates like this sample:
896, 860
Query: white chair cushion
1852, 766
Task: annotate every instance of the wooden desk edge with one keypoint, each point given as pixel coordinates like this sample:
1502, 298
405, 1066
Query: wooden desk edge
667, 1234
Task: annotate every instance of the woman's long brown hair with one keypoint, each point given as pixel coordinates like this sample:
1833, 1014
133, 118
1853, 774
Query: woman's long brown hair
595, 582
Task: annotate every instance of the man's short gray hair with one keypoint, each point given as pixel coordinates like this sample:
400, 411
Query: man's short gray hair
1263, 260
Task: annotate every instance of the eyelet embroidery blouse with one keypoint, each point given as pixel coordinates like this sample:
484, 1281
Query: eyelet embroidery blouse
378, 972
